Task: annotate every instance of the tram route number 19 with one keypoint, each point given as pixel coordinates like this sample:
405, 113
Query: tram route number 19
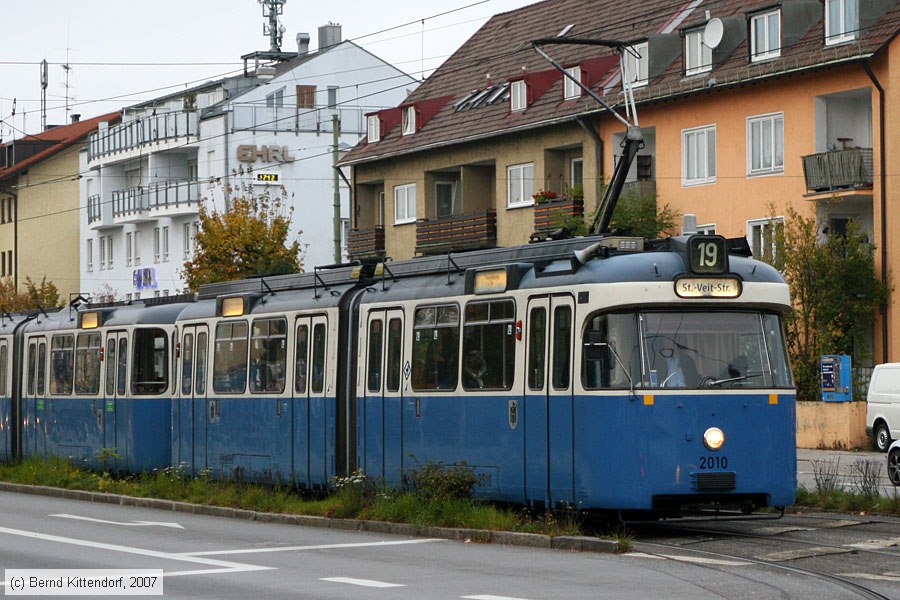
707, 254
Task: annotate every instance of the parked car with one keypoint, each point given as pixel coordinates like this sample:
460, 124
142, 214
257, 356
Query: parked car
893, 459
883, 405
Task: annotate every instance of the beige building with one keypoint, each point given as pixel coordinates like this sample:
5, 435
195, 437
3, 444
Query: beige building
39, 206
742, 105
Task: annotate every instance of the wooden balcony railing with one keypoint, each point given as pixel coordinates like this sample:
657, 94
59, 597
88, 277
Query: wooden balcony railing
366, 243
457, 233
555, 213
839, 170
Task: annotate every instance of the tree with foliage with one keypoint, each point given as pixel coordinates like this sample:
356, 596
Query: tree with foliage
42, 295
637, 214
246, 240
834, 290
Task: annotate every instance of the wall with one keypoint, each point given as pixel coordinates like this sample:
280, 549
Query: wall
831, 425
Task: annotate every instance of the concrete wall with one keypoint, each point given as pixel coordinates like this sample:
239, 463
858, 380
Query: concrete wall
831, 425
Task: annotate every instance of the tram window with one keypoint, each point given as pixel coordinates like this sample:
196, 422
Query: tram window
150, 371
4, 358
268, 355
200, 385
62, 364
111, 367
777, 350
562, 346
41, 368
187, 363
436, 348
301, 361
611, 356
537, 347
489, 345
376, 342
121, 367
32, 367
318, 359
87, 363
394, 354
230, 358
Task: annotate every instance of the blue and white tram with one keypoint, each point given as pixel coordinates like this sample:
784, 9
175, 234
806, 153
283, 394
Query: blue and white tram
96, 385
8, 407
603, 379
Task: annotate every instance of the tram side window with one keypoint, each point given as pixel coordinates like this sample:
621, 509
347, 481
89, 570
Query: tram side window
375, 344
4, 359
87, 363
394, 354
121, 367
187, 363
301, 362
611, 356
230, 358
200, 385
111, 368
268, 355
150, 371
62, 363
436, 348
562, 346
489, 345
537, 347
318, 359
41, 368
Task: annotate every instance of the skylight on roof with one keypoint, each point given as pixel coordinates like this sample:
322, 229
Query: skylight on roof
565, 30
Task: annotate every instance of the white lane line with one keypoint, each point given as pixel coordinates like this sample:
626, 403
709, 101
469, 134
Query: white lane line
129, 524
706, 561
227, 566
490, 598
873, 576
361, 582
319, 547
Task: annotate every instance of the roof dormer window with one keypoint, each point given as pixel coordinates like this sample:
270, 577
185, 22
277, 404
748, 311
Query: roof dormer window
697, 55
571, 90
637, 63
841, 21
373, 128
409, 120
765, 36
518, 96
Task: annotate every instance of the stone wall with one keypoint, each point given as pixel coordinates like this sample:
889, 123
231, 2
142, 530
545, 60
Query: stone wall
832, 425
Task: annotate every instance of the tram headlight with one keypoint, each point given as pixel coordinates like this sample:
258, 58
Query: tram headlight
713, 438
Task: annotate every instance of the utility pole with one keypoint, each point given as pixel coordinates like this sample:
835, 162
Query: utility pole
336, 131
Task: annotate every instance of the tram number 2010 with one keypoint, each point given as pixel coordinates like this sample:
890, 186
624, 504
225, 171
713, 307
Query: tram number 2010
713, 462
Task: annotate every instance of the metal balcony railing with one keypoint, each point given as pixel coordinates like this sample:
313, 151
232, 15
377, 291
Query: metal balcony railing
95, 209
253, 117
173, 195
838, 170
133, 134
130, 202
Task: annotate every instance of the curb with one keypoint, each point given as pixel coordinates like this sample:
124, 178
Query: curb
480, 536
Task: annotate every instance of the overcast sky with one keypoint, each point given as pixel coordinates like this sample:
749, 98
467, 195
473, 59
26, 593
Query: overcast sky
124, 52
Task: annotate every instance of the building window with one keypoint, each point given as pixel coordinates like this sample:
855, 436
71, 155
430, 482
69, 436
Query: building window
3, 263
576, 175
165, 244
520, 185
841, 20
409, 120
89, 255
137, 247
637, 61
102, 252
332, 96
762, 236
156, 244
186, 240
306, 96
698, 155
518, 99
765, 144
128, 249
571, 90
275, 99
707, 229
373, 128
765, 36
405, 204
109, 252
3, 210
697, 55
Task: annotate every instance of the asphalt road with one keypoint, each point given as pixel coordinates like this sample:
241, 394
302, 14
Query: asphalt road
849, 469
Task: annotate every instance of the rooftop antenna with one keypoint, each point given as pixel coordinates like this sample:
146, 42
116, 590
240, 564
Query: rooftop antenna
44, 80
272, 9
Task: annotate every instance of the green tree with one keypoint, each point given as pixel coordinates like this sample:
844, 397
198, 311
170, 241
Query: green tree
637, 214
247, 239
834, 290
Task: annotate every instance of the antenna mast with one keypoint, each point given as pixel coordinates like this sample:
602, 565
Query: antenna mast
44, 79
272, 9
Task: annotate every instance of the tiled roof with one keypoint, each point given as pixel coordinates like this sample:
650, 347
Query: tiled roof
60, 138
501, 51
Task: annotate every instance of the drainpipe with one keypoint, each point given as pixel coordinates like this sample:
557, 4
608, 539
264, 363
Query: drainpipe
882, 162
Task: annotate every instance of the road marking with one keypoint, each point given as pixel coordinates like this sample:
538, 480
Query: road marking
130, 524
699, 560
808, 553
223, 566
319, 547
875, 544
642, 555
491, 598
779, 530
873, 576
361, 582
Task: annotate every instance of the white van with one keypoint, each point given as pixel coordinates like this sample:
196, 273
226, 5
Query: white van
883, 405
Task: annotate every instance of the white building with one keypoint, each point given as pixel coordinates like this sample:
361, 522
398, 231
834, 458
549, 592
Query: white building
269, 127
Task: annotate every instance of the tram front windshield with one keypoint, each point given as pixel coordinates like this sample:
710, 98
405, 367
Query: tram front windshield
698, 350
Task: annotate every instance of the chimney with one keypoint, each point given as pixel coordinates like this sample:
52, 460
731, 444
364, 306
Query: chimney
329, 35
75, 117
303, 43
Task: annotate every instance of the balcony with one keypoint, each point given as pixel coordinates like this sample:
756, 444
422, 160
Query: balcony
319, 119
131, 206
556, 213
366, 243
838, 171
173, 198
99, 213
457, 233
165, 127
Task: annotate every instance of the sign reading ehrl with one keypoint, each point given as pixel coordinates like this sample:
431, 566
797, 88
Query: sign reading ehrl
249, 153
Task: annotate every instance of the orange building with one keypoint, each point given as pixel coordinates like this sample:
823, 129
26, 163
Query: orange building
743, 106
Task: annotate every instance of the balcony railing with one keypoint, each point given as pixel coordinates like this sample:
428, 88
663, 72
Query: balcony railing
133, 134
366, 243
839, 170
457, 233
253, 117
131, 205
173, 197
95, 209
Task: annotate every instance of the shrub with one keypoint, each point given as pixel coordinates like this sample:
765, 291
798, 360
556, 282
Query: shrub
437, 481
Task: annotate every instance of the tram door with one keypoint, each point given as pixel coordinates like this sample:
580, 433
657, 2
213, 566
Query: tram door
548, 411
116, 389
35, 404
193, 409
383, 395
312, 430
